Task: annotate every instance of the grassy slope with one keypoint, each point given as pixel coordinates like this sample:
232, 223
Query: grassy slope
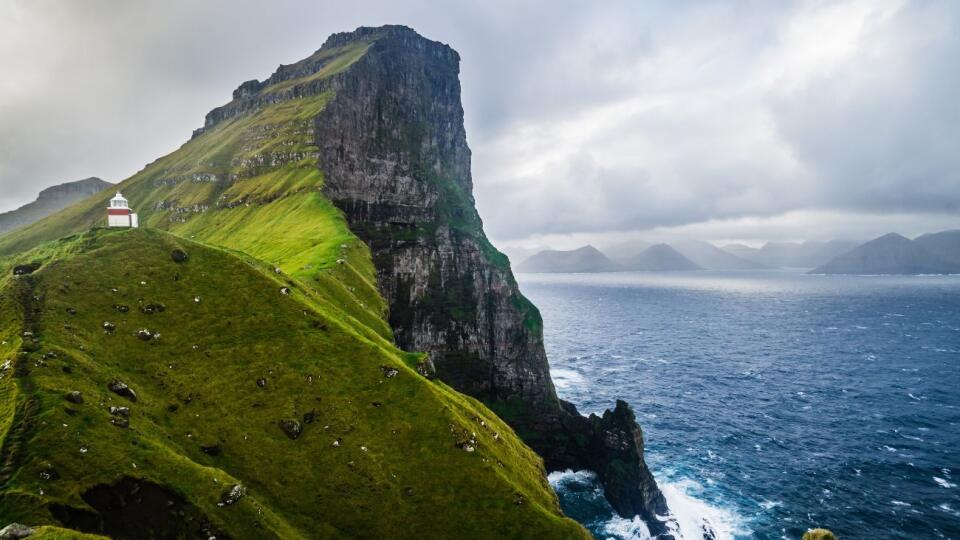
265, 200
207, 361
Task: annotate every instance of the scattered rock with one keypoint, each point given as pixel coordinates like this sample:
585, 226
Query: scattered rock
262, 382
15, 531
122, 389
74, 397
519, 499
109, 327
121, 308
120, 411
232, 495
145, 335
71, 311
292, 428
150, 309
408, 491
25, 269
389, 371
179, 256
120, 422
426, 369
309, 417
49, 473
336, 443
211, 449
285, 290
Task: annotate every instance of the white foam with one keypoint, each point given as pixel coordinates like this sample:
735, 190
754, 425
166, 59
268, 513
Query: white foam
690, 517
565, 378
943, 482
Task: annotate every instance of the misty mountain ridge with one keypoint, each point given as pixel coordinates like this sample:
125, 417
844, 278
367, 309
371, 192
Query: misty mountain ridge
51, 200
896, 254
585, 259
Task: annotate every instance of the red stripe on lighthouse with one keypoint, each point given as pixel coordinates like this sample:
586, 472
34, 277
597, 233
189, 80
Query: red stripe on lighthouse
119, 211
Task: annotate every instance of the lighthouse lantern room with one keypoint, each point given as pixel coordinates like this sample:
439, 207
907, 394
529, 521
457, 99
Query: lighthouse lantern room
119, 213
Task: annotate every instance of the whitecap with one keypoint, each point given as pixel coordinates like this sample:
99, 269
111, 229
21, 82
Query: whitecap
900, 503
566, 378
767, 505
915, 397
691, 518
942, 482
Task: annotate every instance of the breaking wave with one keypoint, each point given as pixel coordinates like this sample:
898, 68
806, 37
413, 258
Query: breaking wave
692, 517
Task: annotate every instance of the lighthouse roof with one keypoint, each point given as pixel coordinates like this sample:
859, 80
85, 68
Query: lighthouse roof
118, 201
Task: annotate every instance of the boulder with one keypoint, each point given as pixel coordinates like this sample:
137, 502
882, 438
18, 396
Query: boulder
152, 308
74, 397
389, 371
15, 531
291, 427
211, 449
232, 495
109, 327
426, 368
120, 411
179, 256
120, 422
122, 389
26, 269
146, 335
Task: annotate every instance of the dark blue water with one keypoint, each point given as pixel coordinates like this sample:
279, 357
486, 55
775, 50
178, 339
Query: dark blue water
771, 402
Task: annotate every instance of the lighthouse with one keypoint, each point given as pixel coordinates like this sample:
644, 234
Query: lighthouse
119, 213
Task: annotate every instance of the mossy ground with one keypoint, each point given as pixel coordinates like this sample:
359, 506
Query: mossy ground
397, 471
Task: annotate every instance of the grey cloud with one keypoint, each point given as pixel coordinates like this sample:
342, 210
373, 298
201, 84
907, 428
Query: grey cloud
583, 117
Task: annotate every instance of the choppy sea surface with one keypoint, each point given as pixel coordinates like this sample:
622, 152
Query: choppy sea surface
771, 401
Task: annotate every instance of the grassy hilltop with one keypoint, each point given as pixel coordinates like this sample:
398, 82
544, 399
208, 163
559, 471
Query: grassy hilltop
270, 399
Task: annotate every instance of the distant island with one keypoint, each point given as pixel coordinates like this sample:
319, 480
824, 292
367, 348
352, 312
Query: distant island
585, 259
660, 258
894, 254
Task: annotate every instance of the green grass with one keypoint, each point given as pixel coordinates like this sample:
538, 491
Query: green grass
206, 362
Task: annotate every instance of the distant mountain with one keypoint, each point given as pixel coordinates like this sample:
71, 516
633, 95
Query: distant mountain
660, 257
711, 257
743, 251
945, 245
50, 200
889, 254
585, 259
809, 254
622, 251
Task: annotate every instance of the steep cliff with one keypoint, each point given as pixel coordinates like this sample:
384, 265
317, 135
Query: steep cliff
372, 123
393, 148
50, 200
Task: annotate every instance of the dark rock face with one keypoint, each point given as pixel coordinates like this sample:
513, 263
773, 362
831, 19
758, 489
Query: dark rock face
394, 152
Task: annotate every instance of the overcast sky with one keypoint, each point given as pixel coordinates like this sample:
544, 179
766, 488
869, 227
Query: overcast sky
589, 121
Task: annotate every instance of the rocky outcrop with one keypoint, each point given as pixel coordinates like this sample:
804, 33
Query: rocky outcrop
50, 200
396, 161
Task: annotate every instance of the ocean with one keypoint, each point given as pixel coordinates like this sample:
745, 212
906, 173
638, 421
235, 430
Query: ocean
771, 401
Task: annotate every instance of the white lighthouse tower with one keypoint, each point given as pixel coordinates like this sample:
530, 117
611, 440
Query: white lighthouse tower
119, 213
